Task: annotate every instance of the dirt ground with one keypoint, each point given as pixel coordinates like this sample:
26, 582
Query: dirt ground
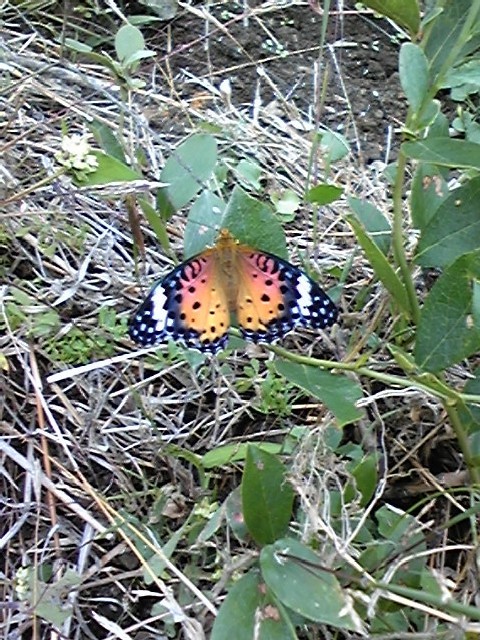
273, 57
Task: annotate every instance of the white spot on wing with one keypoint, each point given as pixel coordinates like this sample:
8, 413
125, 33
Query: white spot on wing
304, 288
159, 312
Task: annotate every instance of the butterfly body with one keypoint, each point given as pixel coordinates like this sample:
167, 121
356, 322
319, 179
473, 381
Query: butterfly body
194, 303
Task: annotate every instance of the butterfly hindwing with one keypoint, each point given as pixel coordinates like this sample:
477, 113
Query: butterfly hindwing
187, 305
274, 297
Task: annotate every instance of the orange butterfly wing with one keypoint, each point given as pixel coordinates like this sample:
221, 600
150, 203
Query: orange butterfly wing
268, 295
189, 304
274, 297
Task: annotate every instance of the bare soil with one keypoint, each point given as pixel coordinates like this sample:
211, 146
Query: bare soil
274, 59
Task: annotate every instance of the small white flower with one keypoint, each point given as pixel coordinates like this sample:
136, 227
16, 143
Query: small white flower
22, 586
75, 154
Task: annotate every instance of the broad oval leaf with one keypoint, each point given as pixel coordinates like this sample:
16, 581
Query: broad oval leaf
429, 190
466, 73
373, 221
250, 173
405, 13
444, 35
295, 575
128, 41
414, 76
253, 223
107, 140
445, 152
323, 194
334, 146
454, 229
249, 220
108, 170
186, 170
445, 333
337, 392
203, 223
267, 497
249, 612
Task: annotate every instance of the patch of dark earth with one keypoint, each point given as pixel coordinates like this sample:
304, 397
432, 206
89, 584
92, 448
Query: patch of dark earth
362, 99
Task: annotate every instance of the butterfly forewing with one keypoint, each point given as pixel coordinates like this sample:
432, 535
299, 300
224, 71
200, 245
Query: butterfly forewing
281, 297
186, 305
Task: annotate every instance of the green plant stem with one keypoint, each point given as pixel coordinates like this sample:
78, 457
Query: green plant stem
433, 386
438, 600
462, 438
398, 240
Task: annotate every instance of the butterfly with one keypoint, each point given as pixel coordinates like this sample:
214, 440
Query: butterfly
267, 295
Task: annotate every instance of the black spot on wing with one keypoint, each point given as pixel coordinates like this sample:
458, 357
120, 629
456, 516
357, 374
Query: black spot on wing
160, 316
304, 301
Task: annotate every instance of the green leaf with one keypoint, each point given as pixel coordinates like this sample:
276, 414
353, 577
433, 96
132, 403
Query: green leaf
250, 172
295, 575
76, 45
445, 335
249, 612
466, 73
405, 13
414, 76
247, 219
454, 229
383, 270
108, 170
365, 474
474, 447
107, 140
429, 190
470, 413
253, 223
404, 533
156, 223
132, 60
164, 9
203, 223
476, 303
373, 221
234, 514
445, 152
105, 61
128, 40
323, 194
428, 115
267, 497
233, 453
186, 170
50, 601
286, 204
442, 37
337, 392
333, 145
466, 124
